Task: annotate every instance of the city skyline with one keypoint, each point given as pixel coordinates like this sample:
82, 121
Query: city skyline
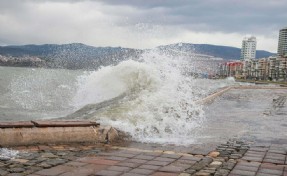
142, 24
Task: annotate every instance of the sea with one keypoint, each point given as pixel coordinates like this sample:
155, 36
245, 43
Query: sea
152, 98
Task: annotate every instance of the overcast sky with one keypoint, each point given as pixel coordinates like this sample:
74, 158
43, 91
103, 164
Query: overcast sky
142, 23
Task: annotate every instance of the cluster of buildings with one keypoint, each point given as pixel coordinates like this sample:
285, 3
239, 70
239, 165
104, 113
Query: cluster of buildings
271, 68
24, 61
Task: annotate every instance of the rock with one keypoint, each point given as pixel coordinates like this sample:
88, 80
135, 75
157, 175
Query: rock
39, 160
214, 154
235, 156
198, 166
70, 157
15, 165
3, 172
199, 156
4, 159
61, 153
44, 165
202, 173
31, 157
216, 163
228, 165
242, 151
29, 164
28, 172
20, 160
190, 171
184, 174
209, 170
220, 159
223, 172
49, 155
55, 162
224, 154
230, 149
206, 160
16, 170
35, 168
2, 164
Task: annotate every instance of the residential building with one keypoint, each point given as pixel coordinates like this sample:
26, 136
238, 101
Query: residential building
271, 68
248, 50
282, 43
231, 68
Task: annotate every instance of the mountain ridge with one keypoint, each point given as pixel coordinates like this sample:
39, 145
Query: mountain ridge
79, 55
225, 52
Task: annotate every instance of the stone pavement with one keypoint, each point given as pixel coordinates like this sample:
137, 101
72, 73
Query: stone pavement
233, 158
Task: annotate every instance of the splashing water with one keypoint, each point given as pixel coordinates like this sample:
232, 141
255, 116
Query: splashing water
158, 103
8, 154
151, 98
36, 93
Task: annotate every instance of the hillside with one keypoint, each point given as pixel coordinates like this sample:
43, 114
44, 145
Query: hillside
78, 56
72, 56
225, 52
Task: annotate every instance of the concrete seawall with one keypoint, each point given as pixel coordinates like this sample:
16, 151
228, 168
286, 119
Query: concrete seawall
54, 132
211, 97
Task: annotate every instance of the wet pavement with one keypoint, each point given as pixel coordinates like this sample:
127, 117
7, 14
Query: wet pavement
234, 158
253, 114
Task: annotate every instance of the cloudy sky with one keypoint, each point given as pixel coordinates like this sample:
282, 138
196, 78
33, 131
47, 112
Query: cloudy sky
142, 23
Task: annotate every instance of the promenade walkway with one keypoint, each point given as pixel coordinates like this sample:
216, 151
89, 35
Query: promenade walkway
233, 158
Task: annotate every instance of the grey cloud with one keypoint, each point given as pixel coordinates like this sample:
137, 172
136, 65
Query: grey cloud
231, 16
43, 20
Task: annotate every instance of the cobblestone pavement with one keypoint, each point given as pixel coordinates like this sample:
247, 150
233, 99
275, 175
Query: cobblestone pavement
232, 158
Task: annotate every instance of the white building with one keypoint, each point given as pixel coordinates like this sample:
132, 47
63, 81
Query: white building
282, 44
248, 50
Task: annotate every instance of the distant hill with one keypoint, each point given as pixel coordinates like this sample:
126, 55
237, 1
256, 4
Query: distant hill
225, 52
72, 56
77, 55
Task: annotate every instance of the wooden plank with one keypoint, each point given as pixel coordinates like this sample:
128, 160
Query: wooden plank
61, 123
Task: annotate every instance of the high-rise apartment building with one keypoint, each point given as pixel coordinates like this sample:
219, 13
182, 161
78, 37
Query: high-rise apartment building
282, 43
248, 50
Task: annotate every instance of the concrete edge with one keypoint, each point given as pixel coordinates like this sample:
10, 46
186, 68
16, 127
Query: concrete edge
258, 87
211, 97
26, 136
48, 123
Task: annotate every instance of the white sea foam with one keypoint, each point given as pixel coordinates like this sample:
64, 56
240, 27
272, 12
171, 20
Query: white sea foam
111, 81
159, 105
